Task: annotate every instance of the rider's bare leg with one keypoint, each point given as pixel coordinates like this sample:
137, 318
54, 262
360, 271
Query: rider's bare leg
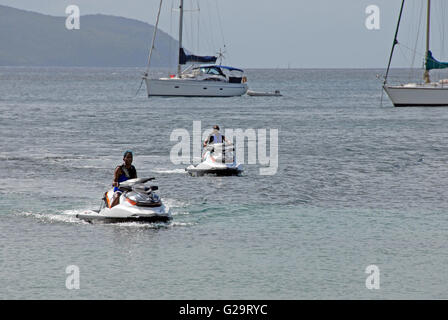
115, 199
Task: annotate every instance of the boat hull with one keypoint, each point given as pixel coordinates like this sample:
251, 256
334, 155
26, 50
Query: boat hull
417, 96
193, 88
263, 94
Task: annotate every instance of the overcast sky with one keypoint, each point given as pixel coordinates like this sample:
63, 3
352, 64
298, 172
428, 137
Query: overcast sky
281, 33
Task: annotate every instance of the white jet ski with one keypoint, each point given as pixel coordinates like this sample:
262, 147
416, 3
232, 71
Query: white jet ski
138, 203
218, 159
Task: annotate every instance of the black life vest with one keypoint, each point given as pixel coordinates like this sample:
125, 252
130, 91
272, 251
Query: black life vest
126, 173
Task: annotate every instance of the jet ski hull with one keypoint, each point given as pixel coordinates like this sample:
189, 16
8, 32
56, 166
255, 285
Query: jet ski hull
99, 218
96, 217
213, 171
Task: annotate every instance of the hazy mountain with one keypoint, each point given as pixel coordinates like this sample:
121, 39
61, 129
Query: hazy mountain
33, 39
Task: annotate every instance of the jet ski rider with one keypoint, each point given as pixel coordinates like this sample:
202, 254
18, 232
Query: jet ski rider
215, 137
122, 173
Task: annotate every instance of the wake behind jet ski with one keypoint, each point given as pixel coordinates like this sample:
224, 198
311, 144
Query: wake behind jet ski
137, 203
218, 159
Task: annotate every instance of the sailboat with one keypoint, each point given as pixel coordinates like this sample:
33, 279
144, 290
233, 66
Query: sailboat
203, 78
427, 93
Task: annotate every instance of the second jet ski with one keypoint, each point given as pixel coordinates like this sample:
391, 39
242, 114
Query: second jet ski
137, 203
218, 159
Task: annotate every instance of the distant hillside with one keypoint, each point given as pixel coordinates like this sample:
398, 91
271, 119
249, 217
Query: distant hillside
33, 39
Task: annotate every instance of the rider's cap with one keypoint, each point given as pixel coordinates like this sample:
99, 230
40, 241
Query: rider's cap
126, 153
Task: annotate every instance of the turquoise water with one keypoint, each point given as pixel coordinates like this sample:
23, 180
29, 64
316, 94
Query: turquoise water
358, 183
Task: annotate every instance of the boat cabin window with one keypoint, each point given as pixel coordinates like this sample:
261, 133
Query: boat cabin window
214, 71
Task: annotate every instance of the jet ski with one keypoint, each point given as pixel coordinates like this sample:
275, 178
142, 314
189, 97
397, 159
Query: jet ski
218, 159
137, 203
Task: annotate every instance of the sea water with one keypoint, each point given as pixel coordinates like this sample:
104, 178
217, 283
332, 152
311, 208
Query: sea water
358, 183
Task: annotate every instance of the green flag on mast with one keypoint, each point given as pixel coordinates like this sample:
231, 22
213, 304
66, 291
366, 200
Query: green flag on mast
432, 63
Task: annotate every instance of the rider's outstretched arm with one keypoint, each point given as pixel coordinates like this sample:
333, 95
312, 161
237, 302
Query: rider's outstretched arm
227, 141
117, 174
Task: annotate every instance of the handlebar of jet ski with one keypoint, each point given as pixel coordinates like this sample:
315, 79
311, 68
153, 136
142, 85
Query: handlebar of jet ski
131, 182
225, 146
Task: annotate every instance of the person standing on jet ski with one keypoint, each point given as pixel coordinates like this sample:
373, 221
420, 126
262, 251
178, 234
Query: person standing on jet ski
215, 137
122, 173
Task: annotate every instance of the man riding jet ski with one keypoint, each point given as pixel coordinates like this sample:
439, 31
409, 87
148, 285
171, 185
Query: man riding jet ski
122, 173
130, 200
218, 158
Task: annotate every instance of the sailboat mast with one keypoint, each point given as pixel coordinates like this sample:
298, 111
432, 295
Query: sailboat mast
428, 26
153, 39
395, 42
181, 18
